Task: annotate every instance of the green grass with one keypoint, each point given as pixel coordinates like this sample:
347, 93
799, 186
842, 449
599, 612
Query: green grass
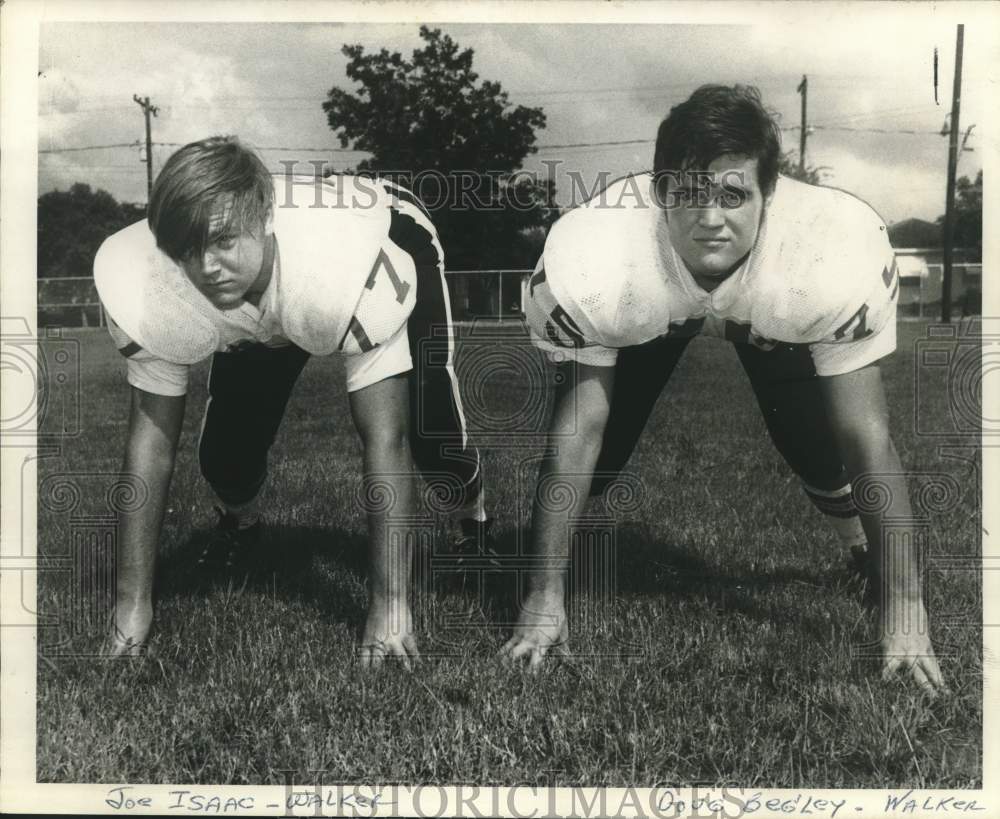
728, 653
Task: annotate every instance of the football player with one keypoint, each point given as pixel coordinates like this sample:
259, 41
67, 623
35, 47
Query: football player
259, 273
801, 279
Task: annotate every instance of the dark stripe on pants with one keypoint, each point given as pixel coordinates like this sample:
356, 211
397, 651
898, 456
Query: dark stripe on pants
436, 425
249, 390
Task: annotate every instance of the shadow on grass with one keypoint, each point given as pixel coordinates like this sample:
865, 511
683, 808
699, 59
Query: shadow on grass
298, 564
645, 566
312, 566
649, 566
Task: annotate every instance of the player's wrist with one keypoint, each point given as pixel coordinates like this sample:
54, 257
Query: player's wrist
903, 593
387, 597
548, 591
903, 614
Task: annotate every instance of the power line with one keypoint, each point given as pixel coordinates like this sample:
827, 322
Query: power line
867, 130
886, 113
595, 144
89, 148
549, 147
775, 80
285, 148
55, 112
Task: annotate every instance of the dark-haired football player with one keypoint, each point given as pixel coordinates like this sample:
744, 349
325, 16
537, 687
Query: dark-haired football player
259, 273
801, 279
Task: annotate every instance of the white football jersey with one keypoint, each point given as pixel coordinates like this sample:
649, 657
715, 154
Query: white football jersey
822, 273
344, 280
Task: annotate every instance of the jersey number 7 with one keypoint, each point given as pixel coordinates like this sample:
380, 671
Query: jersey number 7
400, 287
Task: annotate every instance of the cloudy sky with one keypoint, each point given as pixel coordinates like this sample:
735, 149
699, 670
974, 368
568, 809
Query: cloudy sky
870, 70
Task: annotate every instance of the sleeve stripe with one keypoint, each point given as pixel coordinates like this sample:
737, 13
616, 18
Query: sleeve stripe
129, 349
405, 196
888, 274
360, 336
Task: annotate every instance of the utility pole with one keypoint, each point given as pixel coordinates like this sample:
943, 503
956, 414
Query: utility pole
949, 202
803, 89
147, 109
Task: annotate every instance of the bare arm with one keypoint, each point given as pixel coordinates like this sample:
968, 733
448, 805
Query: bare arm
574, 442
154, 429
859, 416
380, 412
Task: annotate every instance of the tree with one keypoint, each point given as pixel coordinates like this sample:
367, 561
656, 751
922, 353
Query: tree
457, 140
968, 214
72, 224
813, 174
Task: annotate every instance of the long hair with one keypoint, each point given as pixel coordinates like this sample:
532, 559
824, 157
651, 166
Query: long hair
201, 180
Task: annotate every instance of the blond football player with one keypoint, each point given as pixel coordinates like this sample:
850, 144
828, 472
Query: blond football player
258, 274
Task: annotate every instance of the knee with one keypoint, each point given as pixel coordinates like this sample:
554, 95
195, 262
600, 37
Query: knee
234, 472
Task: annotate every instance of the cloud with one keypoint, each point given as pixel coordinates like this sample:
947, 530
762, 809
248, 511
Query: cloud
121, 175
57, 92
868, 67
897, 190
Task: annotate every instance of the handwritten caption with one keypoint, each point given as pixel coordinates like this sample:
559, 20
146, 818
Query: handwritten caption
731, 805
129, 797
728, 803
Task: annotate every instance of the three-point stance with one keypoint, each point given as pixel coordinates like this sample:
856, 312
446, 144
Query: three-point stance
801, 279
248, 269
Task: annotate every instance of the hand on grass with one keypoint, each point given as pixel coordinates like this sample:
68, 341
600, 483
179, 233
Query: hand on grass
915, 654
541, 630
389, 633
129, 631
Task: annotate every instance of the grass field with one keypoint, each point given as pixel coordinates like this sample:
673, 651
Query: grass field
730, 648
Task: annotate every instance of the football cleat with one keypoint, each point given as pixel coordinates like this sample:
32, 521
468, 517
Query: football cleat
859, 564
861, 570
476, 541
466, 555
230, 549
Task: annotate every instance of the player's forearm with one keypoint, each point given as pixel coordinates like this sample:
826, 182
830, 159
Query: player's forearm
154, 430
563, 487
389, 499
860, 420
576, 432
887, 520
149, 471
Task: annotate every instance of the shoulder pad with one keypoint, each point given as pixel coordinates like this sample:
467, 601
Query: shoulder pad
150, 298
327, 254
605, 262
828, 252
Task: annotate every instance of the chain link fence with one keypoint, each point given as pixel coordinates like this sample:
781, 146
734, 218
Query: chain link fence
475, 295
499, 294
69, 302
920, 293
